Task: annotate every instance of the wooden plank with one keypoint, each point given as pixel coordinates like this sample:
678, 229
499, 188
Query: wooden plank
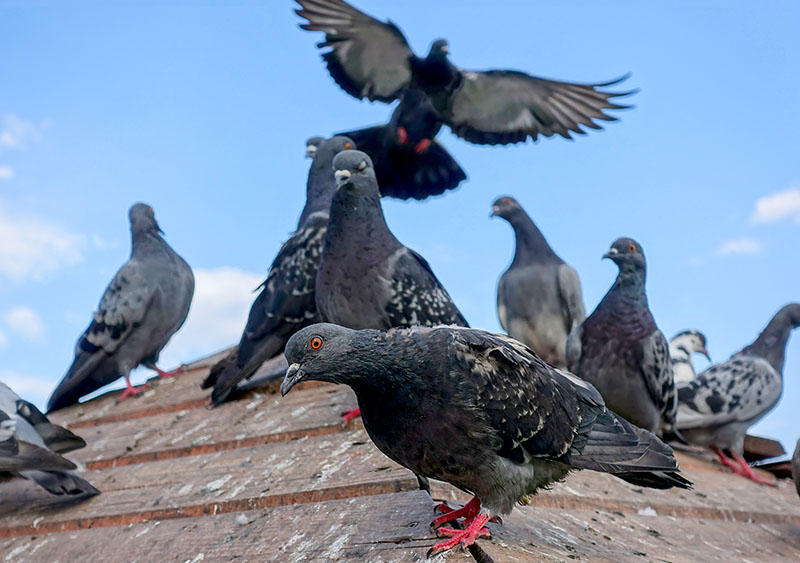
757, 448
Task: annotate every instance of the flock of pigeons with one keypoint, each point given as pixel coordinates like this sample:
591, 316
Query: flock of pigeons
346, 302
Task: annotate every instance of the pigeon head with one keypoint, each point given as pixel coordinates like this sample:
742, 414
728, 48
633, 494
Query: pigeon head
505, 207
628, 255
350, 165
439, 49
143, 220
312, 145
692, 341
328, 149
320, 352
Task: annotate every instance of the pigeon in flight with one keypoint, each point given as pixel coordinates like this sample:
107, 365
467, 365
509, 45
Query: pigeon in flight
716, 409
372, 59
619, 349
539, 299
682, 347
477, 410
145, 304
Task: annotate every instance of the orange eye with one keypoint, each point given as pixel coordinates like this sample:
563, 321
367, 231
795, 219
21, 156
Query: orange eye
632, 248
316, 343
348, 146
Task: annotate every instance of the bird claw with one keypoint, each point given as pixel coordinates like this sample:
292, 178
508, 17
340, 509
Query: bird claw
132, 391
465, 537
402, 135
350, 415
162, 374
469, 511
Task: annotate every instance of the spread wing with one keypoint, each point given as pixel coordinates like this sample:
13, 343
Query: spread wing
504, 106
368, 58
569, 289
656, 369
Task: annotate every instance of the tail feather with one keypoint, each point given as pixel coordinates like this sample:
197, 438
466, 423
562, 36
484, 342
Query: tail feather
61, 483
30, 457
228, 373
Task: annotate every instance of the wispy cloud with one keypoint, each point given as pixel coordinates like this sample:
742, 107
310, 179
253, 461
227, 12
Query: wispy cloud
33, 247
30, 388
18, 133
25, 321
6, 172
740, 246
778, 206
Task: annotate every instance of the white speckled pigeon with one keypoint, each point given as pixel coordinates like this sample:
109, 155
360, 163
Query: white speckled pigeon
145, 304
539, 299
286, 302
681, 349
796, 467
619, 349
478, 410
718, 407
28, 449
371, 59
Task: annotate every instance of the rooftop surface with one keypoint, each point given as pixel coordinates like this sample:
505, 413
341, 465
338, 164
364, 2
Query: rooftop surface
265, 478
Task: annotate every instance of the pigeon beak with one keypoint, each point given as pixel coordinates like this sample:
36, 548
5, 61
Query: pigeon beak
495, 211
611, 254
311, 150
342, 176
293, 376
706, 354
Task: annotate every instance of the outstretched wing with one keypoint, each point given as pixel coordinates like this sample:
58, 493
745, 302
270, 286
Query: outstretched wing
499, 107
368, 58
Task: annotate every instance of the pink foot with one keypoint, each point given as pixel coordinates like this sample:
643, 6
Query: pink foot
747, 471
350, 415
132, 391
173, 373
422, 146
726, 461
465, 537
469, 511
402, 135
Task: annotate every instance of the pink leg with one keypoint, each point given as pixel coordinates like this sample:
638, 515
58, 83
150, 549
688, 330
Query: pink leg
422, 146
131, 391
748, 472
402, 135
469, 511
465, 537
726, 461
173, 373
350, 415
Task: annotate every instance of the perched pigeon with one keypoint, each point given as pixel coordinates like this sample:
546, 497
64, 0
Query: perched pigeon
478, 410
28, 449
145, 304
286, 301
409, 162
681, 349
312, 145
371, 59
718, 407
539, 299
796, 467
619, 349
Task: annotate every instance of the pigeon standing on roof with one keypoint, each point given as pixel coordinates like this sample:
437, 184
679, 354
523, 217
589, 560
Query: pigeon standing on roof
372, 59
478, 410
539, 299
145, 304
409, 162
286, 302
682, 347
619, 349
30, 449
796, 467
718, 407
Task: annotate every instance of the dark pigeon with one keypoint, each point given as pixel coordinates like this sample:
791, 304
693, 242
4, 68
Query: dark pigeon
286, 302
312, 145
539, 298
145, 304
682, 347
478, 410
25, 451
371, 59
716, 409
409, 162
619, 349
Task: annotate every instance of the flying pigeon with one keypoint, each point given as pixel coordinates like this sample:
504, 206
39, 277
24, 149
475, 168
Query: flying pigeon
539, 299
372, 59
796, 467
286, 302
30, 450
716, 409
478, 410
619, 349
409, 162
145, 304
681, 349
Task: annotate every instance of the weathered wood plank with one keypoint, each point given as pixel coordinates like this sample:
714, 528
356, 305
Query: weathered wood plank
757, 448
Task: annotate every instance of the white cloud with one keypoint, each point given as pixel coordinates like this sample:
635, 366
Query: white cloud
222, 300
33, 247
33, 389
778, 206
740, 246
25, 321
17, 133
3, 340
6, 172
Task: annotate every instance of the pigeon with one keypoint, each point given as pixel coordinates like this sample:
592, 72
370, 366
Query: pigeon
312, 145
31, 450
681, 349
619, 349
145, 304
372, 59
716, 409
539, 299
478, 410
796, 467
409, 162
286, 302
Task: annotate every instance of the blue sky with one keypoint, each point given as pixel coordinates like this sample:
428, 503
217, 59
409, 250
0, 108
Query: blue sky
202, 108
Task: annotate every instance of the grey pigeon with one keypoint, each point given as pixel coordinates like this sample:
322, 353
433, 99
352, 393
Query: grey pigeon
367, 278
143, 306
24, 450
718, 407
312, 145
796, 467
372, 59
478, 410
539, 298
682, 347
286, 302
619, 349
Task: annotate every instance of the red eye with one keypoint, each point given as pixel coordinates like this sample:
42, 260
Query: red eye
348, 146
632, 248
316, 343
